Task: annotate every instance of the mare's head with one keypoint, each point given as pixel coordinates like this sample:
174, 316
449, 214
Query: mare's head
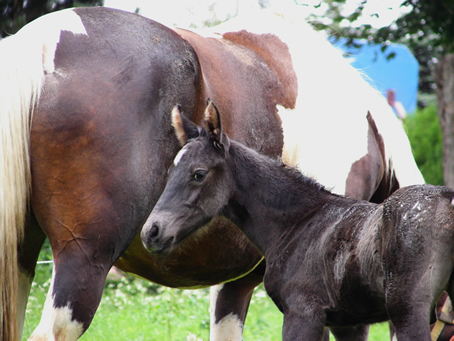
199, 183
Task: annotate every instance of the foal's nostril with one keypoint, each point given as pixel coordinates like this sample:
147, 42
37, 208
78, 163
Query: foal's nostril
154, 230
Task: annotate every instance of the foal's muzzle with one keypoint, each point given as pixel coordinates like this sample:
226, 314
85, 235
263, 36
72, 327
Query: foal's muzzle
152, 239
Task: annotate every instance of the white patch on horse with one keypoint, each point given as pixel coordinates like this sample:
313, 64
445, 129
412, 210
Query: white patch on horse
56, 323
417, 206
179, 156
331, 106
325, 153
229, 328
46, 32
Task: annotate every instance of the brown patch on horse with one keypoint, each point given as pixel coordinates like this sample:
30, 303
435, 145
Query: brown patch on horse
367, 179
276, 55
236, 68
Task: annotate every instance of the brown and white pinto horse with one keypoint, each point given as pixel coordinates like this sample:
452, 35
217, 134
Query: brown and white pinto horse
330, 260
86, 141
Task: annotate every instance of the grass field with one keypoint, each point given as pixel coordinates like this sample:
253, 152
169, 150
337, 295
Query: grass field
134, 309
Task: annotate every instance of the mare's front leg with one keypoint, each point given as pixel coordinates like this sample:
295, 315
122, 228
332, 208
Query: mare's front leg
229, 305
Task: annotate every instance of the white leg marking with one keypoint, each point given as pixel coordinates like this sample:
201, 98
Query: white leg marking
56, 323
229, 328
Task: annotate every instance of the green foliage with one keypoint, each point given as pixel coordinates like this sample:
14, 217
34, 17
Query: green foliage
131, 312
423, 130
425, 18
16, 13
427, 29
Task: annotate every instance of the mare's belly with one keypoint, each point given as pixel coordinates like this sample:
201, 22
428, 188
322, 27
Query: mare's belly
219, 254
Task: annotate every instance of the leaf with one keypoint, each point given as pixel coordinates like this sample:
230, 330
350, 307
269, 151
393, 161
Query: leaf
391, 56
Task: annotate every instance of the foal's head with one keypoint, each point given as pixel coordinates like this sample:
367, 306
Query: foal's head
199, 183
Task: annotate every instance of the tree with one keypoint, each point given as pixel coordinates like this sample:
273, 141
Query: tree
16, 13
423, 130
428, 30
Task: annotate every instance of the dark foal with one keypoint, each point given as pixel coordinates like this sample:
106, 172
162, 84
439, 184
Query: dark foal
331, 261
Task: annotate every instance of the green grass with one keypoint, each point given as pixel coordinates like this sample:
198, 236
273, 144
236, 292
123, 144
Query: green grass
134, 309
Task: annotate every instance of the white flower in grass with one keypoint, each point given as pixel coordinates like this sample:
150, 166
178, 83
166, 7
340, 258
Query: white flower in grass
192, 337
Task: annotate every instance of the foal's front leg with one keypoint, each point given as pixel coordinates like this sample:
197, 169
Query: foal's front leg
355, 333
304, 324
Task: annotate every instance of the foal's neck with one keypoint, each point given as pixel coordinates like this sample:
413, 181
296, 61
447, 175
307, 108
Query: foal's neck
270, 198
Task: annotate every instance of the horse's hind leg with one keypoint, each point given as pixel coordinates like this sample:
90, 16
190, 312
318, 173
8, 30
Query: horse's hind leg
356, 333
409, 310
229, 305
73, 296
88, 228
81, 264
28, 254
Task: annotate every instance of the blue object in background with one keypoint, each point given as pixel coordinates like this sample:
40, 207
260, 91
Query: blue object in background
399, 73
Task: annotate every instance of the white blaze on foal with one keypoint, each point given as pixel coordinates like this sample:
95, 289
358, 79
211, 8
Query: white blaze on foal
179, 156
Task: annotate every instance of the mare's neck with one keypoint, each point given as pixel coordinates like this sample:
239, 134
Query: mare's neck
269, 198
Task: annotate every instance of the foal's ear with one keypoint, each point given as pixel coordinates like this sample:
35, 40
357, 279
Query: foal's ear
213, 125
184, 128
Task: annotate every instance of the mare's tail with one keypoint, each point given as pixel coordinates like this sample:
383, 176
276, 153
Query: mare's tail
21, 75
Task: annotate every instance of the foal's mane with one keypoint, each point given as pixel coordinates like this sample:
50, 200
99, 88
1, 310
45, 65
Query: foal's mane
275, 168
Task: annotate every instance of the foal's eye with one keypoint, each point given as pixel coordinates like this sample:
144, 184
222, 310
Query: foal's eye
199, 175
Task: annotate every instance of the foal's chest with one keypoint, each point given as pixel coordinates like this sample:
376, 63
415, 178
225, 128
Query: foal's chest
331, 261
